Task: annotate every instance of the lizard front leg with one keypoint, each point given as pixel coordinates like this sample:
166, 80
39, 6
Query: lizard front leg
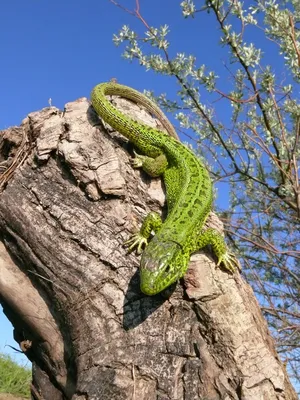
152, 222
224, 256
153, 167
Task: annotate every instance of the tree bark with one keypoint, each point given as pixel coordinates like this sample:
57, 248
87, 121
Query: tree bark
69, 200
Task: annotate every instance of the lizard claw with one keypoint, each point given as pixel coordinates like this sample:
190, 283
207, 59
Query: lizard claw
230, 262
136, 240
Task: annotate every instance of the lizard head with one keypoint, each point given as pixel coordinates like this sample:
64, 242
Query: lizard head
162, 263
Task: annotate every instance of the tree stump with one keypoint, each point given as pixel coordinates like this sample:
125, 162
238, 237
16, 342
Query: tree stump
69, 199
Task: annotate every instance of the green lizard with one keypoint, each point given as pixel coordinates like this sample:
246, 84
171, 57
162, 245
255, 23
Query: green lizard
189, 195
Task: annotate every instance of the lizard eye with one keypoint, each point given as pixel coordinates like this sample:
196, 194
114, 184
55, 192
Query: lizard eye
168, 268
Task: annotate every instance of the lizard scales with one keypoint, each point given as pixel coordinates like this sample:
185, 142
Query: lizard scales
188, 191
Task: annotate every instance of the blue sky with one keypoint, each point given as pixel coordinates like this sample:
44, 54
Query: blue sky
61, 49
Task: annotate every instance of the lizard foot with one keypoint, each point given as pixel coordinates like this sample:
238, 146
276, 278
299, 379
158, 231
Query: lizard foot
137, 161
137, 240
229, 261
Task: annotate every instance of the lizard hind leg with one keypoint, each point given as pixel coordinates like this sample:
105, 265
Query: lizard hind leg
220, 249
152, 222
152, 166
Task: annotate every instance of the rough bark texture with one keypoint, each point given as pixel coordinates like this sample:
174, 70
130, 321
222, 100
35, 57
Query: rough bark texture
72, 291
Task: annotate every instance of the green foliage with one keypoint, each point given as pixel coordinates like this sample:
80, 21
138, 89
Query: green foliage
254, 147
14, 379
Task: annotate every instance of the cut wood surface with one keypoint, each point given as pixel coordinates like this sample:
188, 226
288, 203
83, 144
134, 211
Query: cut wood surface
72, 291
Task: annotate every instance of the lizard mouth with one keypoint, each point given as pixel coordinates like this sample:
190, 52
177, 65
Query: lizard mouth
151, 285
